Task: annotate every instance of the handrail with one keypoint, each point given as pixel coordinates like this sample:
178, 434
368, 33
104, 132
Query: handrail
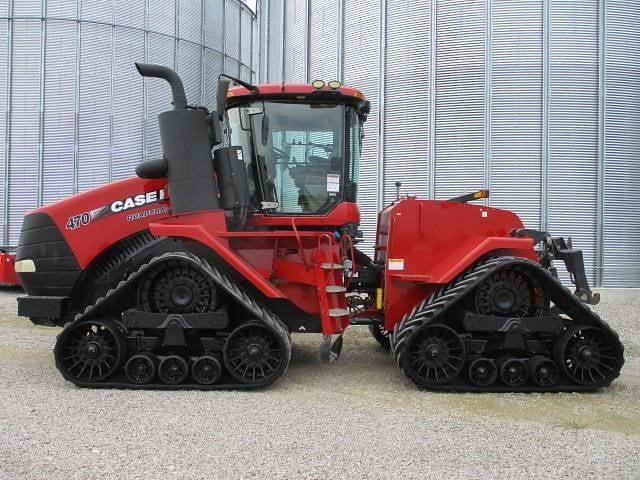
300, 246
320, 250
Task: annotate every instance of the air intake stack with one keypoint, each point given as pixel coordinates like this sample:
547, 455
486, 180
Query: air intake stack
186, 144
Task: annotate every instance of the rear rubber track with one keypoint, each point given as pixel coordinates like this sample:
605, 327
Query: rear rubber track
432, 310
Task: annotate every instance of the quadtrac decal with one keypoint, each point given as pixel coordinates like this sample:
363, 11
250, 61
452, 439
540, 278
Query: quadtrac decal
119, 206
147, 213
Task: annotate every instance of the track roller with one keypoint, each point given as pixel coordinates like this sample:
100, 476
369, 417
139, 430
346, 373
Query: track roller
543, 371
90, 350
141, 368
482, 372
173, 370
514, 371
206, 370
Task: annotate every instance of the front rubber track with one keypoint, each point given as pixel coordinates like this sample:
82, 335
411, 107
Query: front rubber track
111, 304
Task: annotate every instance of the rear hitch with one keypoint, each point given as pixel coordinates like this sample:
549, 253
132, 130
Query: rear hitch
574, 262
557, 247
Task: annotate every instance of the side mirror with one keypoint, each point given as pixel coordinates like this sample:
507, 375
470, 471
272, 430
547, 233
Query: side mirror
214, 129
365, 110
221, 100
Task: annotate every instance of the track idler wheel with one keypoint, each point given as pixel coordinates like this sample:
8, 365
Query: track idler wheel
435, 355
254, 353
141, 368
206, 370
589, 355
482, 372
173, 370
514, 372
543, 371
90, 351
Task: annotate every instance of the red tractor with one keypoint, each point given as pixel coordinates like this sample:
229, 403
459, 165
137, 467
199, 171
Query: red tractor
195, 273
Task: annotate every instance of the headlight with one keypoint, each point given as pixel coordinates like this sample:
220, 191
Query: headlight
24, 266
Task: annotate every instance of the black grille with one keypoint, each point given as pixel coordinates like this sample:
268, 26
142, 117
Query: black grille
56, 267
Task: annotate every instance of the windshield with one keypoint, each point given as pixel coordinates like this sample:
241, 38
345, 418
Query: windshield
295, 154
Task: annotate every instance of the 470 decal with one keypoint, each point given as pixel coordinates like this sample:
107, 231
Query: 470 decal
79, 220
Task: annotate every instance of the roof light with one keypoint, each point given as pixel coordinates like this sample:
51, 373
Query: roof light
318, 84
334, 84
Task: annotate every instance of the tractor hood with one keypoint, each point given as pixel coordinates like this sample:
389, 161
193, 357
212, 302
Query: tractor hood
91, 221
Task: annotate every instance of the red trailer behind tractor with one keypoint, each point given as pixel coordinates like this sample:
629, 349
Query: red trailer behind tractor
8, 277
195, 273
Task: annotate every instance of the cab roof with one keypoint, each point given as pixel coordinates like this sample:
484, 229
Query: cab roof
295, 91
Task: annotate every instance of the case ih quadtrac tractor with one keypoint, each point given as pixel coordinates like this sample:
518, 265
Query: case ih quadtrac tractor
195, 273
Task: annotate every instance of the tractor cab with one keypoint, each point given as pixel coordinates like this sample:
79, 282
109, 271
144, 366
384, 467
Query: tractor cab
300, 145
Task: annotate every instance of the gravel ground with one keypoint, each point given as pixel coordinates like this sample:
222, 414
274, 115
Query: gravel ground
359, 418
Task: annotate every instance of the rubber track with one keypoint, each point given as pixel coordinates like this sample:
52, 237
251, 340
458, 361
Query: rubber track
432, 309
101, 308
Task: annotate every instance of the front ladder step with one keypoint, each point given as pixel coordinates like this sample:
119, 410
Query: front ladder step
332, 266
338, 312
335, 289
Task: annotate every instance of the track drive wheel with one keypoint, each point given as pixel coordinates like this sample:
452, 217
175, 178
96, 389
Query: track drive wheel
509, 293
177, 287
382, 336
435, 355
254, 353
90, 351
589, 355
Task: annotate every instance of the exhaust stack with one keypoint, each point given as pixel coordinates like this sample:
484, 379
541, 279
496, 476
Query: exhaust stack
187, 162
